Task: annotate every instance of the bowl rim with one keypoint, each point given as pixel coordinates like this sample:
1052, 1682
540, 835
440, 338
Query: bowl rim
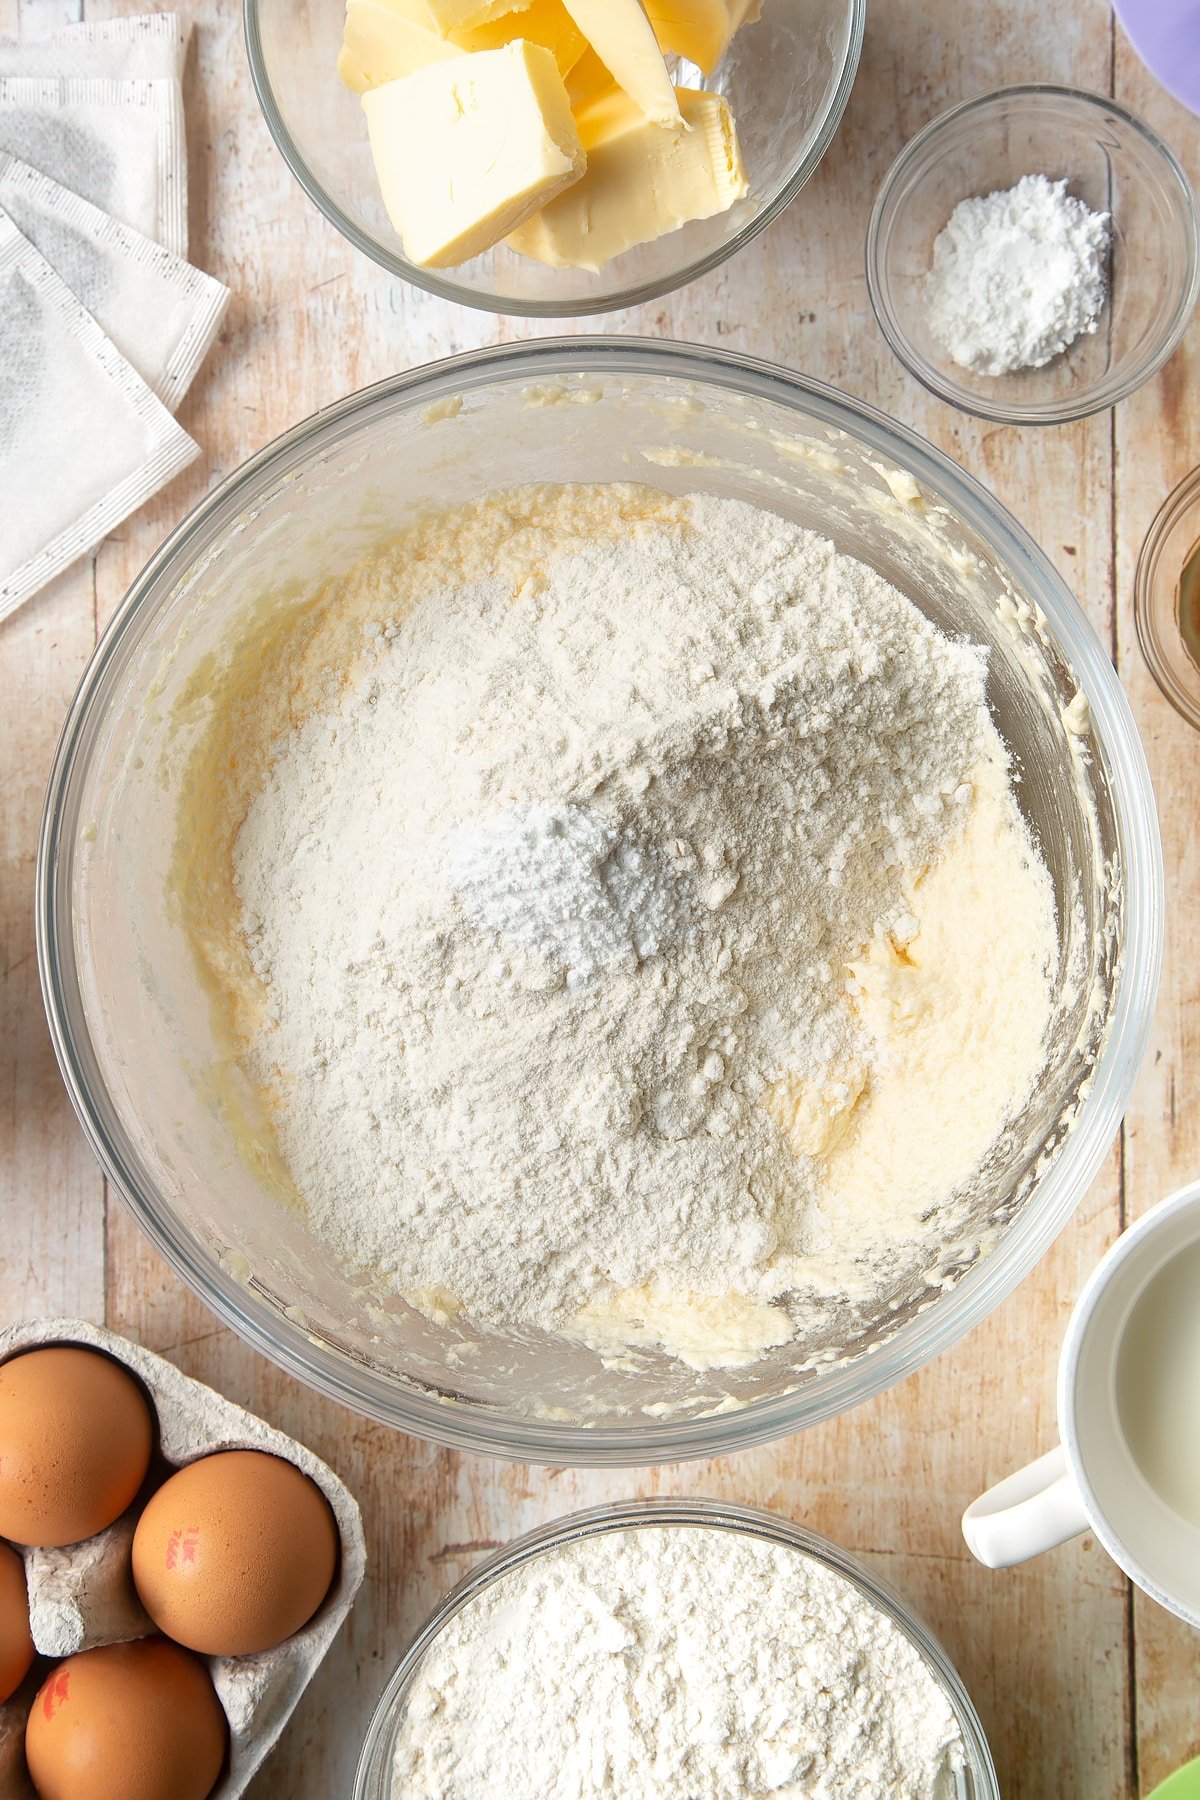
1182, 498
636, 294
666, 1511
641, 1440
1065, 409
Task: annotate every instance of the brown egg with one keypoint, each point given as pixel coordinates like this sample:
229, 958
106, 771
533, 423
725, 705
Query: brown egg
75, 1437
235, 1553
126, 1722
16, 1645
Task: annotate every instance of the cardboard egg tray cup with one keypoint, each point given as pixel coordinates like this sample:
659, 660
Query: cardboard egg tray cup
84, 1595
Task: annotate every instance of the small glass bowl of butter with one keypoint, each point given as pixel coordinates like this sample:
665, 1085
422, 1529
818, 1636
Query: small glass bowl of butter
497, 162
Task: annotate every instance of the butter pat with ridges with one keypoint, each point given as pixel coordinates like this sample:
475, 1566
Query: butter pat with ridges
619, 32
700, 29
383, 42
466, 150
641, 181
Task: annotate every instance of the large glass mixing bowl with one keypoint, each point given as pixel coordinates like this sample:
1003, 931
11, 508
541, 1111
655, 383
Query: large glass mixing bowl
787, 78
132, 1026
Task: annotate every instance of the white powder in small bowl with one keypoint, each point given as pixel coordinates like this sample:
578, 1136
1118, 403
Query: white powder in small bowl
669, 1663
1017, 276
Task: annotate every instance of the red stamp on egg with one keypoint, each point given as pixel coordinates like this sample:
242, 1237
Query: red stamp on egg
182, 1546
55, 1692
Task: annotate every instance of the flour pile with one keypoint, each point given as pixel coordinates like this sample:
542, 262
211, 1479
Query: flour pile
652, 947
1017, 276
685, 1664
557, 880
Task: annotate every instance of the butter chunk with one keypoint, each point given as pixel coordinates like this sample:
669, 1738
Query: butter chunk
619, 32
466, 150
700, 30
384, 40
641, 181
383, 43
587, 80
545, 22
461, 15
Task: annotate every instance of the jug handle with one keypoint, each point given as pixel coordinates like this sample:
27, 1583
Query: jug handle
1030, 1511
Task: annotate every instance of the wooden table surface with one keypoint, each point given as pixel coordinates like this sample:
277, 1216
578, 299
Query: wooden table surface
1086, 1689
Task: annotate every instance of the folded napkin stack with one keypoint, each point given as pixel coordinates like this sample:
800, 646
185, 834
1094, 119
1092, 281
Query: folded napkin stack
103, 323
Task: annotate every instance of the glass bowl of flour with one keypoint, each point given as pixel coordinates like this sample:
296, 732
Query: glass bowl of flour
600, 902
1033, 255
682, 1650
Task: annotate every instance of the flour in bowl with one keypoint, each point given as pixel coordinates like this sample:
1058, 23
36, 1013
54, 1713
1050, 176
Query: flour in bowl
630, 920
675, 1664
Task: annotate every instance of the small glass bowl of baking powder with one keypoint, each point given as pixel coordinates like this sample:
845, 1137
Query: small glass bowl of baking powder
1110, 161
975, 1780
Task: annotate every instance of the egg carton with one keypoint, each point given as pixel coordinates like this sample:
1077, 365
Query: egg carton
83, 1595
